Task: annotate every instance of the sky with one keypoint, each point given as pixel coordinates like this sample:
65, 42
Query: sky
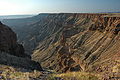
18, 7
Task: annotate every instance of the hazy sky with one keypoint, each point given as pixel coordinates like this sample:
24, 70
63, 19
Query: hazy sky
12, 7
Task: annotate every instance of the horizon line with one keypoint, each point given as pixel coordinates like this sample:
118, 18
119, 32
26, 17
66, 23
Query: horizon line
55, 13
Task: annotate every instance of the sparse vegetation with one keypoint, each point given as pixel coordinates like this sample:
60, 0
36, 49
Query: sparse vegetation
10, 73
74, 76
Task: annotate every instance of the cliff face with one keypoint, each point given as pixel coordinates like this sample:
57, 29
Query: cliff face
8, 42
12, 53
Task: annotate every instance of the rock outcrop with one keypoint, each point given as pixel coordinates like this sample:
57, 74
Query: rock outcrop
18, 62
12, 53
8, 42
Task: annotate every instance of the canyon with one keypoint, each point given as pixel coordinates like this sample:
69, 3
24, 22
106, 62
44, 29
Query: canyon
68, 42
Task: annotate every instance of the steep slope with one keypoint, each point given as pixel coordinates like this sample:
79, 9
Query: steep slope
21, 27
12, 53
8, 42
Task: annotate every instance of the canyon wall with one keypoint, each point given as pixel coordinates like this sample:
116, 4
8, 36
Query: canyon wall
12, 53
73, 41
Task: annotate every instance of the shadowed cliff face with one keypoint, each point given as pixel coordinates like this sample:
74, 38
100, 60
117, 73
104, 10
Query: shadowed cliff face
12, 53
73, 42
23, 28
8, 42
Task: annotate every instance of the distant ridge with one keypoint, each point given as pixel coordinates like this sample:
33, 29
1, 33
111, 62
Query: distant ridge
14, 16
110, 12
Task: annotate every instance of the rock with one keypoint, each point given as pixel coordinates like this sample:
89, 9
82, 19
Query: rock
8, 42
76, 68
11, 60
0, 23
12, 53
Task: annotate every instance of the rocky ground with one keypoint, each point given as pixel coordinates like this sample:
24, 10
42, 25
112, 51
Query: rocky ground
109, 69
11, 73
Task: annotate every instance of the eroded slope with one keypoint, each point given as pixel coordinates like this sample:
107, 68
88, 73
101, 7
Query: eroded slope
81, 41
